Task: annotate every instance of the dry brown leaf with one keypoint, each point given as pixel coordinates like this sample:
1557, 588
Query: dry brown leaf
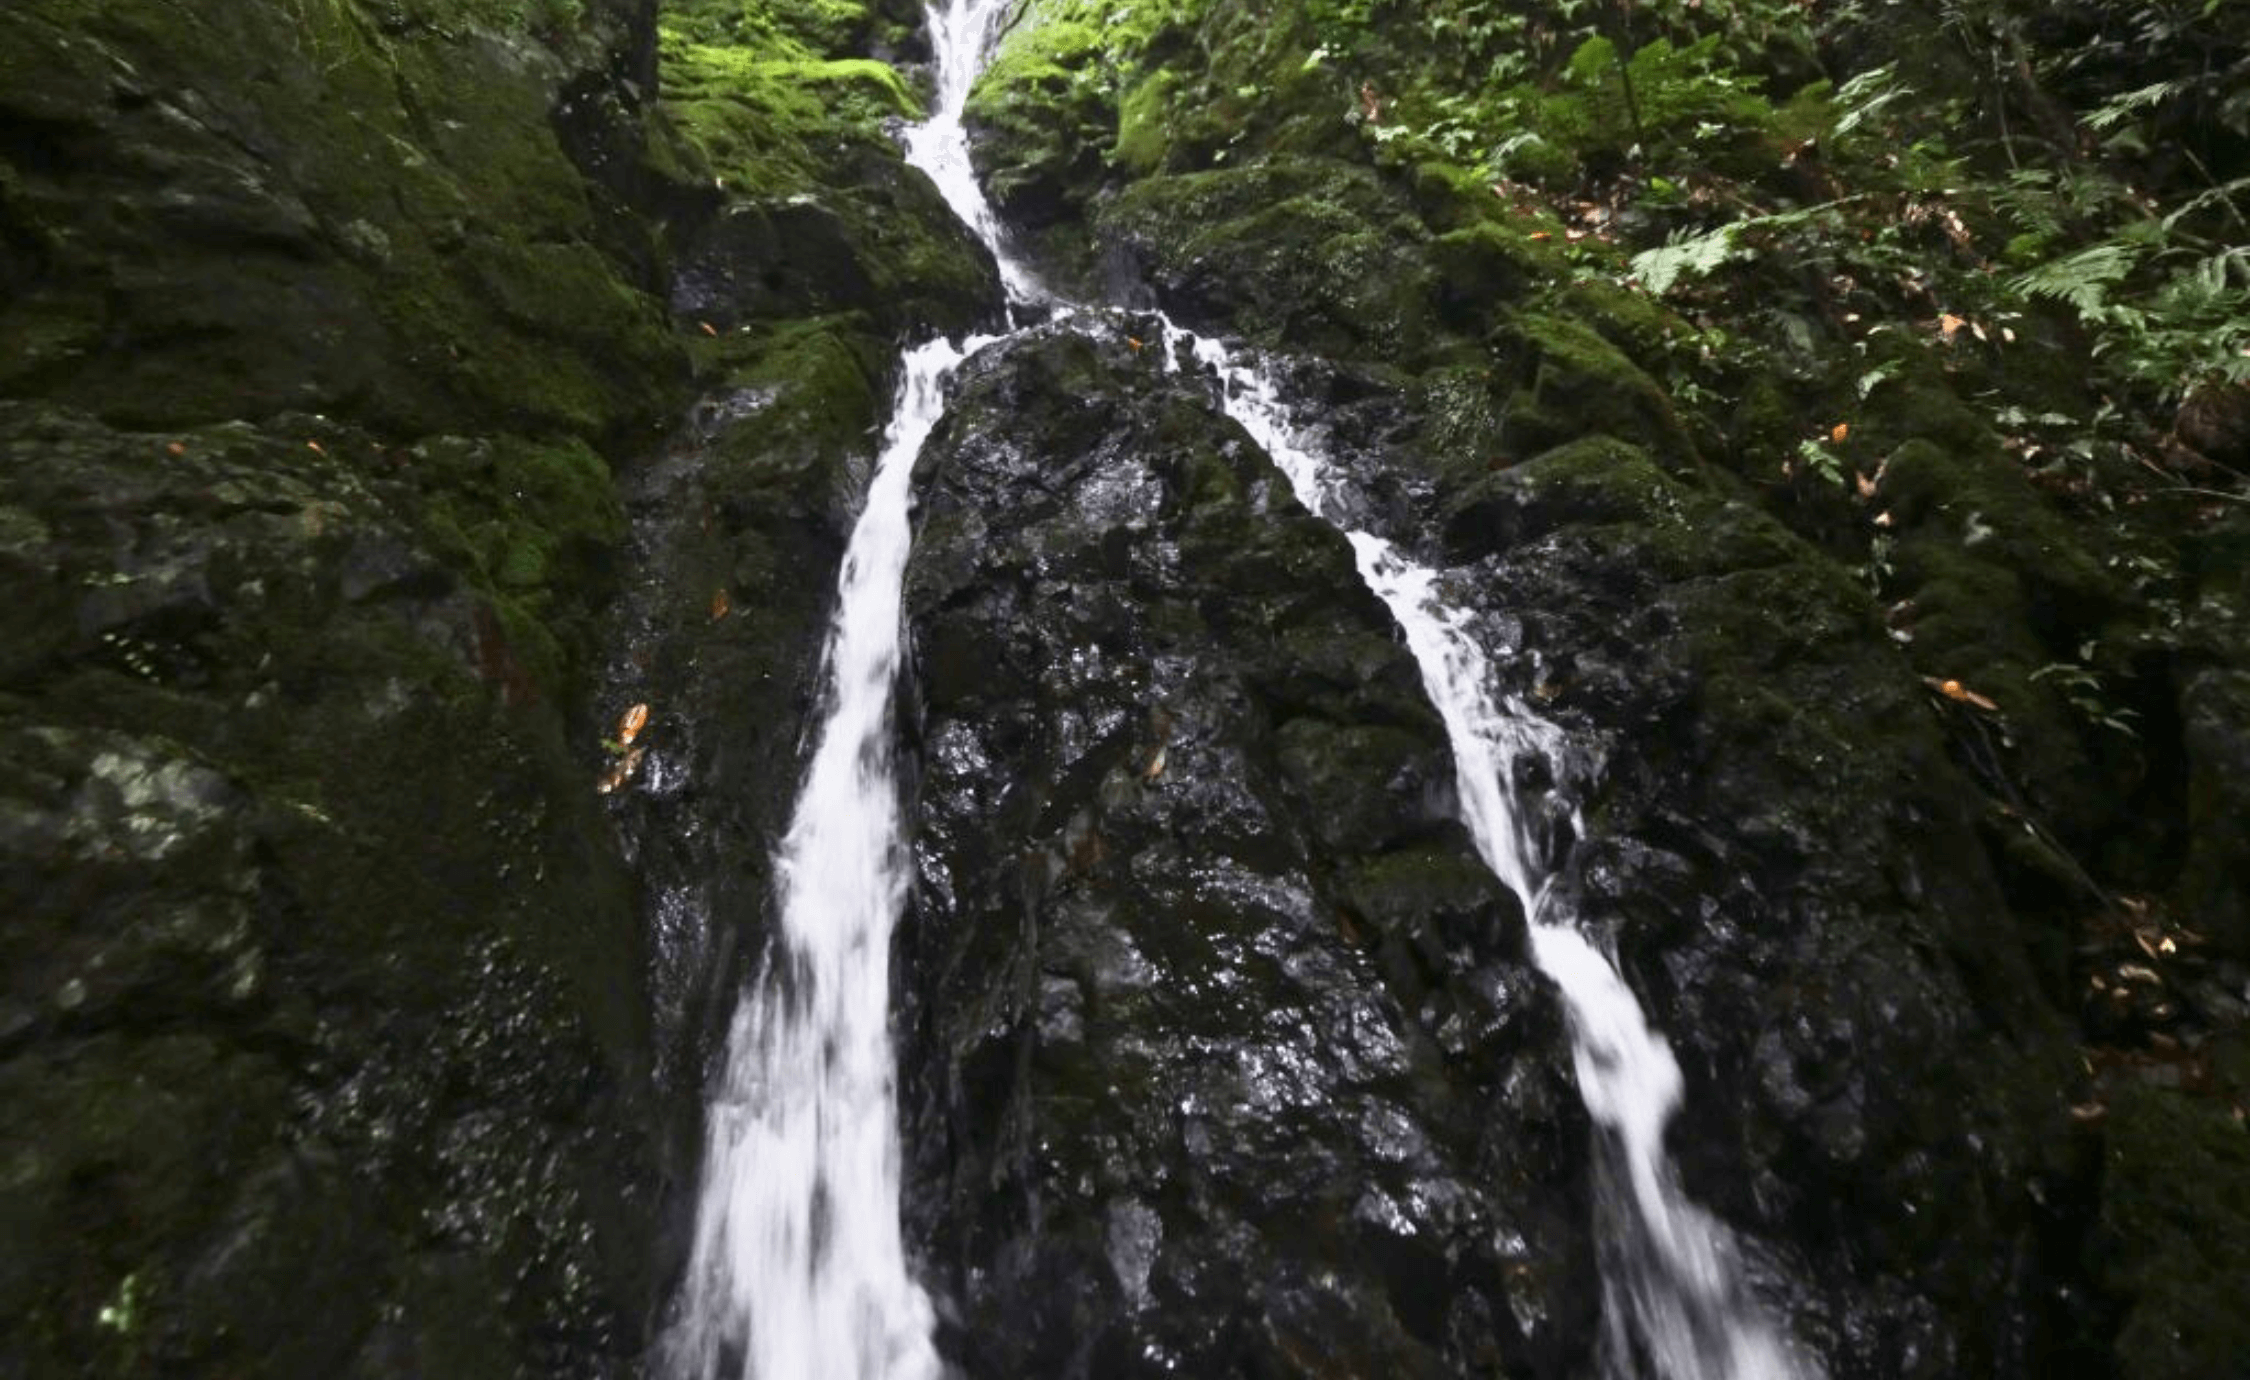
720, 605
175, 449
708, 328
1950, 326
1865, 485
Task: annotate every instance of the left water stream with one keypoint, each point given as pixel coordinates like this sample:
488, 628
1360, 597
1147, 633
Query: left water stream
797, 1268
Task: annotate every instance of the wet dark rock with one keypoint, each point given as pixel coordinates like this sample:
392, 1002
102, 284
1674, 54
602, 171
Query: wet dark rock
1785, 852
1222, 1054
737, 530
1311, 252
320, 1036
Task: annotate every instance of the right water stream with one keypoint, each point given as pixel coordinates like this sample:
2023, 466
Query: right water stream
1677, 1304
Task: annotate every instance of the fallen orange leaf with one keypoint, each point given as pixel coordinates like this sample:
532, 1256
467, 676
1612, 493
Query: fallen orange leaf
1840, 431
175, 449
1865, 485
1136, 344
708, 328
314, 447
720, 606
630, 724
1956, 691
1950, 326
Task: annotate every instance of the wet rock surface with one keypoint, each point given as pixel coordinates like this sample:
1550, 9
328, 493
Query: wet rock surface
322, 1026
1790, 866
281, 1102
1222, 1054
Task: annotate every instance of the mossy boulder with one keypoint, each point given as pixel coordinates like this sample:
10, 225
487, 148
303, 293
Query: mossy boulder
813, 208
1572, 380
317, 993
1788, 859
2175, 1233
229, 213
1307, 251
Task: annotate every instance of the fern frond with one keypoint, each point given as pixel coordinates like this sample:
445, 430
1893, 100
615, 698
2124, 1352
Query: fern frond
1662, 267
2083, 279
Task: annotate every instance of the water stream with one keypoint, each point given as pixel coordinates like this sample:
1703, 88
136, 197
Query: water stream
797, 1269
1676, 1303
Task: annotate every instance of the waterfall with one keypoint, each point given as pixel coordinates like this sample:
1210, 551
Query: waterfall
1675, 1299
797, 1270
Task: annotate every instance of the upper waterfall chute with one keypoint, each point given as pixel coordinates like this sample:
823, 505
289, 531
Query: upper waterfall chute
962, 35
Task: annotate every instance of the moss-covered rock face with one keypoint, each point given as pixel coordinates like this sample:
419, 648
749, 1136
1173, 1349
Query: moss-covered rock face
1789, 864
1306, 251
811, 208
234, 212
1846, 552
322, 989
319, 998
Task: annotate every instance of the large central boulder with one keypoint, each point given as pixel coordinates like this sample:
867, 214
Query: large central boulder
1224, 1057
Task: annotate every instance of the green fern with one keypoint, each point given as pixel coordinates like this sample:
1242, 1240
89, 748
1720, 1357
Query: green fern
2082, 280
1695, 257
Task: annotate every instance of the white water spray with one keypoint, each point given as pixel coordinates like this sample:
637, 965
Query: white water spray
798, 1270
1675, 1297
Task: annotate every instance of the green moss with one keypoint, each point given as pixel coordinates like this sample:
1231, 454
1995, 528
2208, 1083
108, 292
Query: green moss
768, 125
2175, 1229
1303, 250
820, 381
824, 215
410, 247
799, 27
1144, 123
1577, 380
1484, 266
1636, 323
533, 524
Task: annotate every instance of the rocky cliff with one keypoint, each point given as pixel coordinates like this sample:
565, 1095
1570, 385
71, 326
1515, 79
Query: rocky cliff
428, 431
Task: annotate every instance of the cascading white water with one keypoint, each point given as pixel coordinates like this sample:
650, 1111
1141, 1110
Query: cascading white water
1675, 1297
962, 32
797, 1270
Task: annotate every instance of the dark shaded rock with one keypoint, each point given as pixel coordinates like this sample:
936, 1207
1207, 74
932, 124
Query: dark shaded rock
233, 213
1222, 1053
321, 1030
1314, 253
2175, 1233
2216, 881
